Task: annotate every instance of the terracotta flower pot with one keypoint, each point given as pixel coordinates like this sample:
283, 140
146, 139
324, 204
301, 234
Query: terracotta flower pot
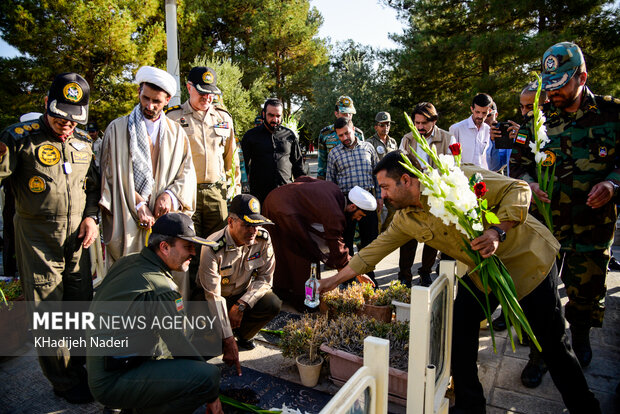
380, 313
309, 373
342, 365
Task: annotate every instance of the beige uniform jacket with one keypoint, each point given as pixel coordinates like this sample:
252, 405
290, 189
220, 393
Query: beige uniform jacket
212, 139
440, 140
528, 252
227, 269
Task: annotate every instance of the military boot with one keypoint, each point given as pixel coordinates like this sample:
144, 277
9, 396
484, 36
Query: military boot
581, 344
533, 373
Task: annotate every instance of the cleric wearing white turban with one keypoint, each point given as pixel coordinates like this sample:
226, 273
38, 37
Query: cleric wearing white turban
157, 77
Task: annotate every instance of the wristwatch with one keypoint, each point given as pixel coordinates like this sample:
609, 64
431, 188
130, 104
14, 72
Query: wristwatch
501, 233
242, 306
615, 186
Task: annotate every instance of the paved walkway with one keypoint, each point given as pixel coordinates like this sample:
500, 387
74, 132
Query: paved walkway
23, 389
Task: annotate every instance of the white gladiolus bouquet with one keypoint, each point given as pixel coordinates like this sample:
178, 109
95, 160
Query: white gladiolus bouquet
460, 201
545, 181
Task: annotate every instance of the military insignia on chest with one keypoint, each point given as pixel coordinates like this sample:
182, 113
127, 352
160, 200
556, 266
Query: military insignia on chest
183, 122
225, 281
602, 152
36, 184
48, 154
550, 160
521, 138
254, 256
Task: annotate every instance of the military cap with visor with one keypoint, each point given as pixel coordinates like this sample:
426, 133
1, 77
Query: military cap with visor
68, 98
559, 64
204, 79
345, 105
179, 225
247, 208
383, 117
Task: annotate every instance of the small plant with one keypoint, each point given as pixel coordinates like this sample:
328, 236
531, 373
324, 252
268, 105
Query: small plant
376, 297
348, 333
399, 292
303, 336
345, 301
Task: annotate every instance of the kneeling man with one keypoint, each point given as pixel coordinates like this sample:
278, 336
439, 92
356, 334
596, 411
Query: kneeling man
239, 268
173, 378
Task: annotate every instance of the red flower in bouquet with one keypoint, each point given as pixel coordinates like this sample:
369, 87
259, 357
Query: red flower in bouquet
455, 148
480, 189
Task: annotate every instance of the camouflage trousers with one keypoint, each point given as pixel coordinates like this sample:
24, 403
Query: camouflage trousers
584, 276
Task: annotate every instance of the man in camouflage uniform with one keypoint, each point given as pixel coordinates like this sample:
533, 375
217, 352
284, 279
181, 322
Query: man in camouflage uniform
239, 268
50, 166
210, 130
328, 138
584, 130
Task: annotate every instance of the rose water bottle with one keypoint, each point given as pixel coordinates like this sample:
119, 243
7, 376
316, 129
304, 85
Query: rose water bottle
312, 289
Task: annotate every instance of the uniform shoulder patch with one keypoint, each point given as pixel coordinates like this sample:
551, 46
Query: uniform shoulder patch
263, 234
221, 242
173, 108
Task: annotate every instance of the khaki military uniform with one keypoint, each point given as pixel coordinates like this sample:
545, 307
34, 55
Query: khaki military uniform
216, 161
56, 186
381, 147
242, 273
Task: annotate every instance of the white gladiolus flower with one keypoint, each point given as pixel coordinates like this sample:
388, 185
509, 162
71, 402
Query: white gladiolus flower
477, 226
540, 157
532, 146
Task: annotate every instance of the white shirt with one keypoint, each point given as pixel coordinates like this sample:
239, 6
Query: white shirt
474, 142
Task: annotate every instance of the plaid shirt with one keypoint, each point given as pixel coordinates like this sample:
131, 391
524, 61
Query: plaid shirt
349, 167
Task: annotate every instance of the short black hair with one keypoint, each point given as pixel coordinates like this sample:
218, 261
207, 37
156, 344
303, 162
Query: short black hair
342, 122
155, 240
271, 102
391, 163
482, 100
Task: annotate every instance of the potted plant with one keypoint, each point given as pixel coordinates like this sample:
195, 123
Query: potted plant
377, 303
300, 341
400, 297
343, 301
13, 318
344, 343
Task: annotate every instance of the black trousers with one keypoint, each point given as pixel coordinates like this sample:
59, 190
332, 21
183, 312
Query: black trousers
407, 257
369, 230
543, 309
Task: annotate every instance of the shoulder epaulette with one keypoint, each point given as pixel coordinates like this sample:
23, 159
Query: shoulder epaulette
221, 242
608, 99
81, 134
263, 234
22, 129
222, 109
173, 108
329, 128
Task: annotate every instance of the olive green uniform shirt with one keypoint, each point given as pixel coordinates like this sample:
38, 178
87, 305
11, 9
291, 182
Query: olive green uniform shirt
383, 148
528, 252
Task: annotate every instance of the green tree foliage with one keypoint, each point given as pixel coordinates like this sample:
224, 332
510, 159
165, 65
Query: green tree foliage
272, 40
104, 41
452, 50
357, 71
242, 103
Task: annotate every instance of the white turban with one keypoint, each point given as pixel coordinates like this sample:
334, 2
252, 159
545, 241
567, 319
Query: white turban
157, 77
362, 198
